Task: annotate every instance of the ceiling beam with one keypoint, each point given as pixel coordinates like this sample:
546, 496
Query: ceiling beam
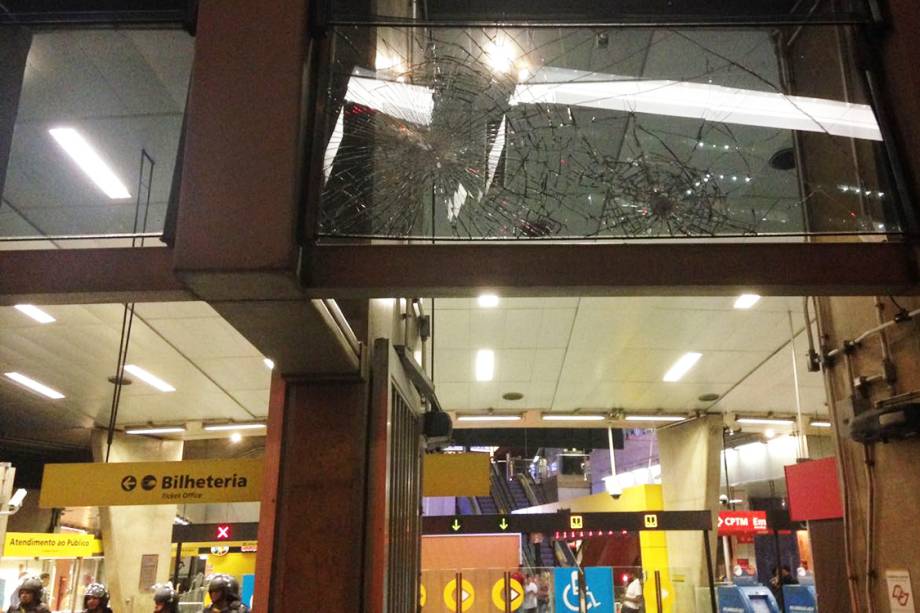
660, 269
86, 276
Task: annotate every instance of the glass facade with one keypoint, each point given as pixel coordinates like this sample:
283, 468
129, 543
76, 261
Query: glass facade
567, 133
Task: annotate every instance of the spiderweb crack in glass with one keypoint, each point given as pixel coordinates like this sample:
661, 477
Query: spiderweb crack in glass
537, 133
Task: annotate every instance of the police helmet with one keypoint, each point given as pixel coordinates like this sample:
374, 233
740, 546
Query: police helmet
226, 585
96, 590
32, 584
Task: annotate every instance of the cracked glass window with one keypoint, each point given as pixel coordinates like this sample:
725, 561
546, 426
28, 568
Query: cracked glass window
586, 133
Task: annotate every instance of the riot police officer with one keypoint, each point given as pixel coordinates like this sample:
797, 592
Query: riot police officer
225, 596
30, 597
165, 599
96, 599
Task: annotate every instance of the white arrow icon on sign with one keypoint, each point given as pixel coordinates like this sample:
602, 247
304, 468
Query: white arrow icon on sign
464, 595
514, 594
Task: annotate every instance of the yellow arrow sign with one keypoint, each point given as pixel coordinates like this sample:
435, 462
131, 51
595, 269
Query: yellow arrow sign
467, 596
503, 524
515, 594
456, 525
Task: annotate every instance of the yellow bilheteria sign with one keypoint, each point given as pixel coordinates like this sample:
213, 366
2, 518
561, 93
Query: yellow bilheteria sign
456, 474
42, 545
142, 483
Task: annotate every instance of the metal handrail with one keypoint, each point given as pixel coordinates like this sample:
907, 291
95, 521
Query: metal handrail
500, 492
529, 490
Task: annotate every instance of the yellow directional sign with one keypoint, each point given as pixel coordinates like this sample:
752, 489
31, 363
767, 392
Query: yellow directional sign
422, 595
456, 525
576, 522
515, 594
651, 521
503, 523
47, 545
467, 596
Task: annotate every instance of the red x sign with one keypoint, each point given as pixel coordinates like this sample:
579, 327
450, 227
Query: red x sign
223, 532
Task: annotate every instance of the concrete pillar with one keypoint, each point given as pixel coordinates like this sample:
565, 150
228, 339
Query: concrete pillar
131, 532
311, 527
881, 527
690, 455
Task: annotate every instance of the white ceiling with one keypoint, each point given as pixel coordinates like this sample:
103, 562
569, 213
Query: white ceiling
218, 374
124, 90
567, 354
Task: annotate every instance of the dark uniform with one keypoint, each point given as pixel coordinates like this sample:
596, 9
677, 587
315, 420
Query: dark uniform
166, 596
228, 601
33, 586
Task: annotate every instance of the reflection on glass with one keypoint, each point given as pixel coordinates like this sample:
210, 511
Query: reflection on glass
91, 102
485, 133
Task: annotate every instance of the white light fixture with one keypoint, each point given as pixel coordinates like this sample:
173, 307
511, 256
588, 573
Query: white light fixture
236, 437
417, 354
269, 364
765, 421
666, 418
155, 430
489, 418
488, 301
149, 379
820, 424
682, 366
769, 433
229, 427
499, 55
34, 385
485, 365
746, 301
35, 313
576, 417
81, 152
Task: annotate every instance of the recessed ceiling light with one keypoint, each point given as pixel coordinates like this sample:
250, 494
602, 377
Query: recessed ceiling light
269, 364
35, 313
34, 385
575, 417
81, 152
682, 366
231, 426
746, 301
765, 421
489, 418
769, 433
236, 437
708, 397
155, 430
149, 379
512, 396
485, 365
488, 301
666, 418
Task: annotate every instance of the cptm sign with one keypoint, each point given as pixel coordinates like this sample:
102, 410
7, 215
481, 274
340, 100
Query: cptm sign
742, 522
141, 483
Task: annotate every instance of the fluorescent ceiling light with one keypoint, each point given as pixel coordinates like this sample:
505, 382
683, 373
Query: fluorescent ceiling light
669, 418
489, 418
269, 364
228, 427
682, 366
820, 424
765, 421
155, 430
485, 365
576, 417
717, 103
35, 313
488, 301
81, 152
34, 385
236, 437
149, 379
746, 301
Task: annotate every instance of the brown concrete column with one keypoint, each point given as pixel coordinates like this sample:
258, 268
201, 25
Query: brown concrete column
881, 484
311, 527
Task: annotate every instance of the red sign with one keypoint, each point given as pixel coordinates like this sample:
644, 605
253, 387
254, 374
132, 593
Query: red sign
223, 532
814, 490
742, 522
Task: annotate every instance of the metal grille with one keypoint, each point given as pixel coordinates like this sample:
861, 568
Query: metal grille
405, 510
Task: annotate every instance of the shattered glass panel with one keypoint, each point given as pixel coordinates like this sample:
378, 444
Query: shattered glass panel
574, 133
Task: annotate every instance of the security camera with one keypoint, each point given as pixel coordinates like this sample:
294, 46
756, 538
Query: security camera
613, 487
15, 503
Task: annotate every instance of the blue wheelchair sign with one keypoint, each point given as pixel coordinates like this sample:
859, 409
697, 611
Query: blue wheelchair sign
599, 592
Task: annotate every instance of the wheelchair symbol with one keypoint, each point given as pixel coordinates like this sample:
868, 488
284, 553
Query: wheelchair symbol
570, 595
